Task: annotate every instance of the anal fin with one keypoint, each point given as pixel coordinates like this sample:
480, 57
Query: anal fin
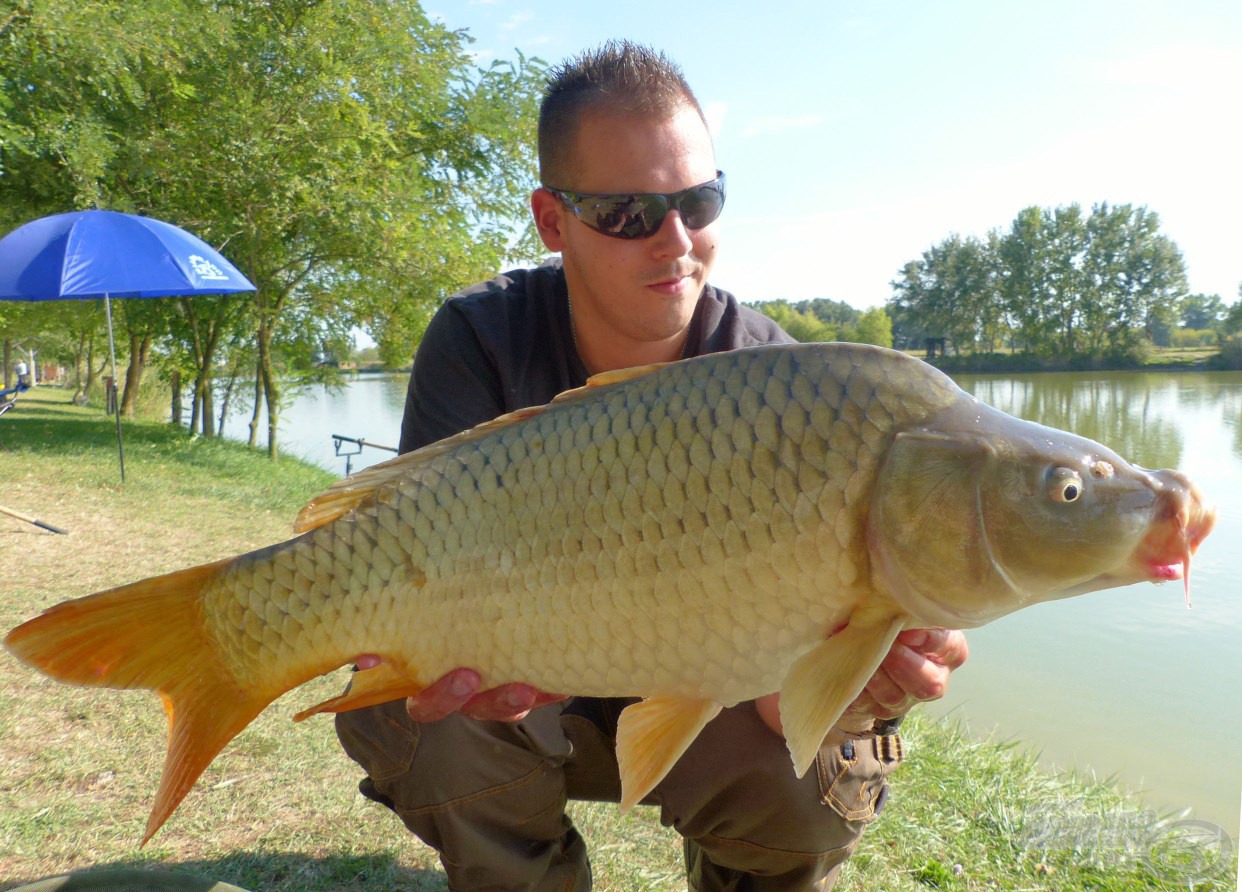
825, 680
651, 737
380, 684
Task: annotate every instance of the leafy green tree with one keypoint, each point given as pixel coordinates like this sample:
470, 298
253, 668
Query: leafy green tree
1058, 281
874, 327
949, 293
1136, 279
801, 325
833, 312
348, 156
1232, 323
1201, 311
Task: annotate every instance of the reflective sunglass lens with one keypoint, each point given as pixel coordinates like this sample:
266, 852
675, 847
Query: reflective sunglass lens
641, 216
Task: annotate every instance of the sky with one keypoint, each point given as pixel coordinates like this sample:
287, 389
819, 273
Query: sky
855, 136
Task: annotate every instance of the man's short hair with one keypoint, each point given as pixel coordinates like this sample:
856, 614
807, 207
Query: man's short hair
618, 76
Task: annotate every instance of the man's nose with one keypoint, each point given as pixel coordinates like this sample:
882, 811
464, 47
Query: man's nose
672, 237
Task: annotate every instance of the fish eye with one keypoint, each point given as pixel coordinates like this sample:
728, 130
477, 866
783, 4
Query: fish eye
1064, 485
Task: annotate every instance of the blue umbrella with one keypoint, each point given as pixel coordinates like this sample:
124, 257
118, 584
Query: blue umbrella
87, 255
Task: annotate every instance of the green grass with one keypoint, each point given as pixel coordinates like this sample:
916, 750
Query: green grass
278, 809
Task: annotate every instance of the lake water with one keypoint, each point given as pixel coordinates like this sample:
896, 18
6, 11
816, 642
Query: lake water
1126, 682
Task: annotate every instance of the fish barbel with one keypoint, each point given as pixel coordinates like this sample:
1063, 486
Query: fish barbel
696, 534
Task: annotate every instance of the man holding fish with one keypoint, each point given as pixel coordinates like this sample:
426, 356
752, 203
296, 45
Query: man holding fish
796, 518
483, 776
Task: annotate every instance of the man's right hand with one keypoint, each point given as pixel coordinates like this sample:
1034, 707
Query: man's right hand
458, 691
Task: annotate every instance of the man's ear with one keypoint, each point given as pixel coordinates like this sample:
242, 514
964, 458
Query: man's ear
549, 213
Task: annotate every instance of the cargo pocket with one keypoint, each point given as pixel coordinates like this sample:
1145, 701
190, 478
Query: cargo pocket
382, 739
853, 777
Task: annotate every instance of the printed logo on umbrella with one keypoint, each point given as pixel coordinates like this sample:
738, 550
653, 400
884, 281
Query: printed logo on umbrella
207, 270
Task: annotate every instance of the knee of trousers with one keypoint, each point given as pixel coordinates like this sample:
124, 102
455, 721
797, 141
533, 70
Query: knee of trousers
456, 762
488, 796
740, 801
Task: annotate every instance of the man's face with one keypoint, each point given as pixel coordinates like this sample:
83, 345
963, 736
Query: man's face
632, 298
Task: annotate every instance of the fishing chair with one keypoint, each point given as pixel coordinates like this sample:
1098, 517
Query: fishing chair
8, 398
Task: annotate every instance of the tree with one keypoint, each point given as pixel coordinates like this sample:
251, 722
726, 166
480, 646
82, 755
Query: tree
949, 293
1232, 323
1201, 311
874, 327
1136, 278
1059, 281
346, 155
801, 325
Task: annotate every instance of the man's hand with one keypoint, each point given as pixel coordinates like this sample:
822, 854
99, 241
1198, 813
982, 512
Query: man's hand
458, 691
916, 669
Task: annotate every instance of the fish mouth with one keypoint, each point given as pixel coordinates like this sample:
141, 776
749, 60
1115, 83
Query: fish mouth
1181, 523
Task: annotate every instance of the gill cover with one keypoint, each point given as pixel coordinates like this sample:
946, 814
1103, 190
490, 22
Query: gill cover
926, 530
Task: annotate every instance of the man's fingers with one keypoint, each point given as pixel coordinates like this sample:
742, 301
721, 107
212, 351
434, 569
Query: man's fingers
444, 696
944, 646
887, 698
915, 674
458, 691
507, 703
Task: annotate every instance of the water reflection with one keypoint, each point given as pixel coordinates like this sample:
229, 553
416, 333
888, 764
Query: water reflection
1128, 413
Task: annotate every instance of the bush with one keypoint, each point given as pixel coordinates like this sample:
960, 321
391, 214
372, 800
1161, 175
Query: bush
1230, 354
1192, 337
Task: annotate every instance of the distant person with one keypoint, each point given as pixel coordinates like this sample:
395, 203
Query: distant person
629, 197
23, 375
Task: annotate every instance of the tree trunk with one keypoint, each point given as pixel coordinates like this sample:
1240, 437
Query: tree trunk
228, 395
207, 416
8, 375
271, 388
175, 382
194, 407
139, 351
78, 389
205, 343
257, 412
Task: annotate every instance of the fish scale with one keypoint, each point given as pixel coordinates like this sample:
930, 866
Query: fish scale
696, 534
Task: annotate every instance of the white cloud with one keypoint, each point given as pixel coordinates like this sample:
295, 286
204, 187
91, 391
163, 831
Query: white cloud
517, 20
778, 123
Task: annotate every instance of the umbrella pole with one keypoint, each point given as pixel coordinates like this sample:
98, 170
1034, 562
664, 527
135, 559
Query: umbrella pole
120, 446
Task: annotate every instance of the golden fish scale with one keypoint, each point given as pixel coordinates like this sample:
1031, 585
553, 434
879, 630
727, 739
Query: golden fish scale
690, 532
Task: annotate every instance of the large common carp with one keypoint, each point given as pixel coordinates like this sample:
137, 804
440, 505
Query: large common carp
697, 534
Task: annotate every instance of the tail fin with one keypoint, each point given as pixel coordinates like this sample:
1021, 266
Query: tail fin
151, 635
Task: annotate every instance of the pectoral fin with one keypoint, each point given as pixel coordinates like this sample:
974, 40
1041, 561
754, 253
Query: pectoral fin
385, 682
825, 680
651, 736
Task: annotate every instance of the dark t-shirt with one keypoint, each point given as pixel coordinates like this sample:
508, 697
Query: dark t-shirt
507, 344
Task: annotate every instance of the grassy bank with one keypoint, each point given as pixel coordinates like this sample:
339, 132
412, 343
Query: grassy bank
278, 809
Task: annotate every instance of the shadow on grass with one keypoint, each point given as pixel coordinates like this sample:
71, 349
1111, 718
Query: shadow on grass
52, 425
49, 427
251, 871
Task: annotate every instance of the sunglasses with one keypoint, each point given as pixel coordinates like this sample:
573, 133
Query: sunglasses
641, 215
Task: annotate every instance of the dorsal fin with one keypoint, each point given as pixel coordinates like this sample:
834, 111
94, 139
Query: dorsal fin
360, 488
606, 379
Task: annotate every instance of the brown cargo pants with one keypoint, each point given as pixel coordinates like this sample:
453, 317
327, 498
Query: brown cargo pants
490, 796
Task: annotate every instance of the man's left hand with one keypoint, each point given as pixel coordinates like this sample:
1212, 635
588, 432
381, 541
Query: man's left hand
916, 669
